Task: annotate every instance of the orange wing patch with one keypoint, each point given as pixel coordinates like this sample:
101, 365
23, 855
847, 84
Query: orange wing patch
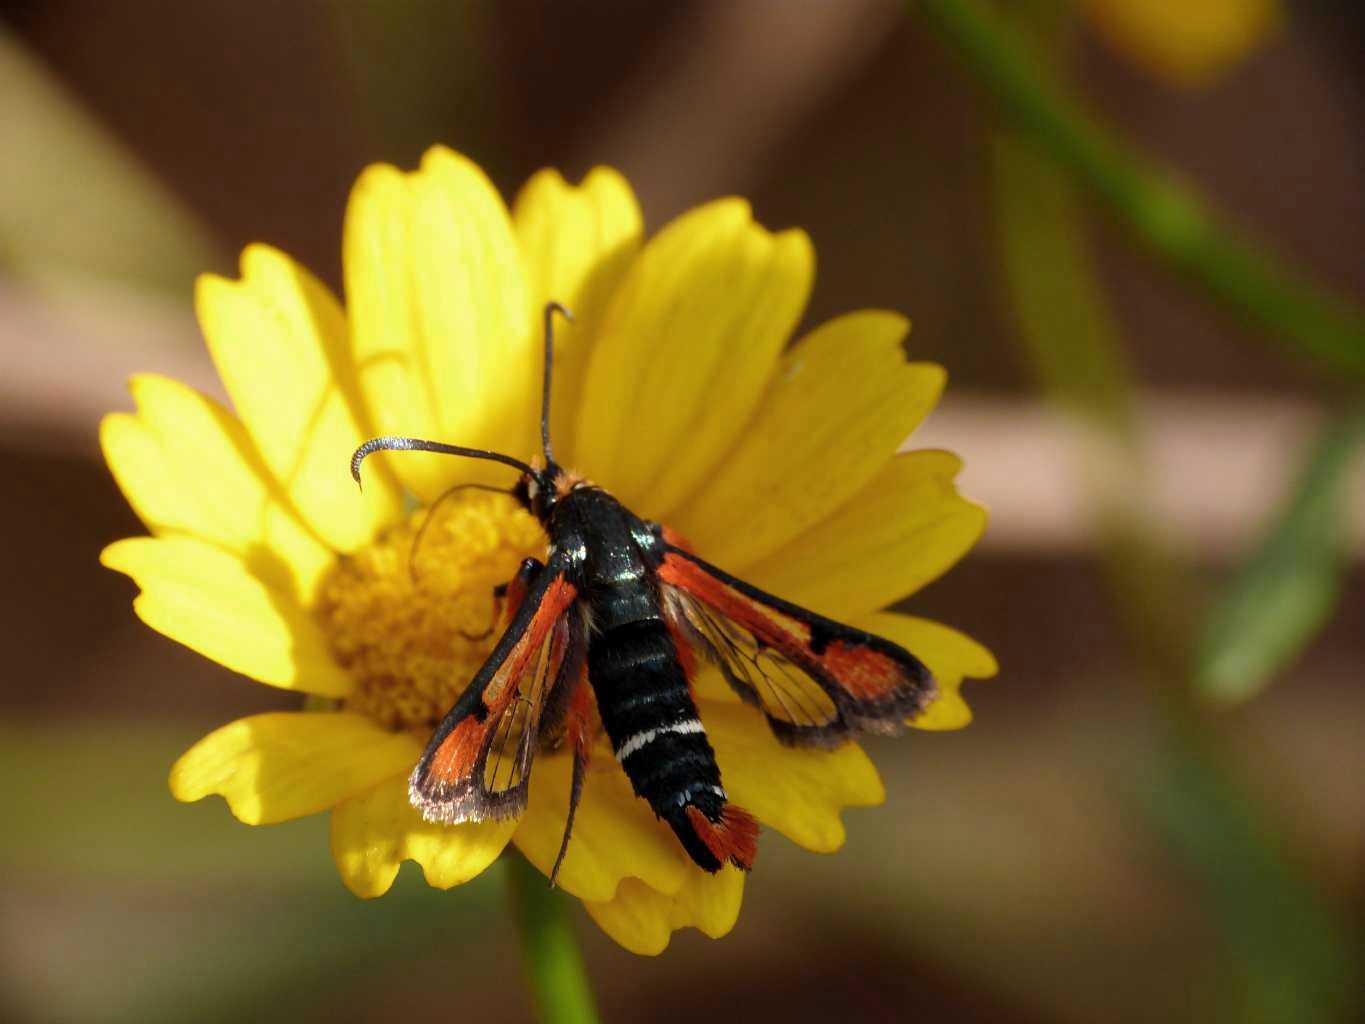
454, 758
477, 766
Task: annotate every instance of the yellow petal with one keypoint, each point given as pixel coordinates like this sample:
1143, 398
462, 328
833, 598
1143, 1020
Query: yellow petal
615, 834
842, 402
165, 504
798, 792
951, 657
375, 831
576, 244
637, 917
441, 321
187, 466
906, 528
642, 919
1193, 45
709, 684
686, 351
278, 338
214, 603
288, 764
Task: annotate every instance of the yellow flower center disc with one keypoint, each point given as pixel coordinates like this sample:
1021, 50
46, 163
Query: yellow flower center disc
413, 616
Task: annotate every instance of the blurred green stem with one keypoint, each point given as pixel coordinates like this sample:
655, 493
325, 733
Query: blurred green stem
1074, 346
554, 965
1169, 219
1067, 332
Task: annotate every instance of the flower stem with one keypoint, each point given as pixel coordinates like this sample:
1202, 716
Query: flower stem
554, 965
1169, 219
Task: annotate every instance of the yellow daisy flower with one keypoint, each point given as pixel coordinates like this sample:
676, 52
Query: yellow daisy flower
674, 389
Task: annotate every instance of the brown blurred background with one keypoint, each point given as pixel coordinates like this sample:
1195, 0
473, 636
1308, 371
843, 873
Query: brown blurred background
1023, 870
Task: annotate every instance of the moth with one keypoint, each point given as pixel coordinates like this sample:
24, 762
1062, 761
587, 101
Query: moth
606, 634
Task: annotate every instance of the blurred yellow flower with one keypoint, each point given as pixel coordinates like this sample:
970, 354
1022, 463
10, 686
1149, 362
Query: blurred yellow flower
1188, 43
673, 391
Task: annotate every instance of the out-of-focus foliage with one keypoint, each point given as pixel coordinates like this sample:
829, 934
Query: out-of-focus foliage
1290, 584
1287, 959
88, 806
1175, 225
1285, 956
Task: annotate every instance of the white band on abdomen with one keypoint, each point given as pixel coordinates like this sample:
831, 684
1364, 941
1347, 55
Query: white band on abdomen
648, 736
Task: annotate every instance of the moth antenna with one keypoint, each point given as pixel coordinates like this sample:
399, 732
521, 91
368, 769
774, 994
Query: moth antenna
551, 308
416, 444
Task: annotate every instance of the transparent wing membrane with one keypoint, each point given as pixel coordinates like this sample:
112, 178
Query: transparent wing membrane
762, 675
513, 741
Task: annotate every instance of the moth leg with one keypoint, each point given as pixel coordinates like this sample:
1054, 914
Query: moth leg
427, 521
513, 592
492, 625
579, 732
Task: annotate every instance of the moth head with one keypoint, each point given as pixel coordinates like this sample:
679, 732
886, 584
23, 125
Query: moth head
541, 489
532, 491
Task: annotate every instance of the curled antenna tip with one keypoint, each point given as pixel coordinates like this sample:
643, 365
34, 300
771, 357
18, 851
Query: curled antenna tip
561, 309
356, 459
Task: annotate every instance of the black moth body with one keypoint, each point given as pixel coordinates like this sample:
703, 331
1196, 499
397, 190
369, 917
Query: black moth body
642, 692
604, 635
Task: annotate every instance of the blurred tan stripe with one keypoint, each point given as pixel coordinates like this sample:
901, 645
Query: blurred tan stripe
1220, 464
1219, 468
66, 355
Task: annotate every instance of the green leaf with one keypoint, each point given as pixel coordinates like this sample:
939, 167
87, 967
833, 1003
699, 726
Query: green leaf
1286, 590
